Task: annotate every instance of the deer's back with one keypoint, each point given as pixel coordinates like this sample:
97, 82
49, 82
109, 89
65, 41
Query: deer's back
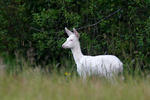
101, 64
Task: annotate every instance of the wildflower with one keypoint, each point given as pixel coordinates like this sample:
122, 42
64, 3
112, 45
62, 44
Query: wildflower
67, 74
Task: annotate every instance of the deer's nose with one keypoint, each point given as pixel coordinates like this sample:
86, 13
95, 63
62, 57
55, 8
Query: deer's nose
63, 46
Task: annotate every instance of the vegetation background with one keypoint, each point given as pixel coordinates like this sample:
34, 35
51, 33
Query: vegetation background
35, 30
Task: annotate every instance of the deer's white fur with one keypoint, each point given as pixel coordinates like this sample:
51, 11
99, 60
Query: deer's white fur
102, 65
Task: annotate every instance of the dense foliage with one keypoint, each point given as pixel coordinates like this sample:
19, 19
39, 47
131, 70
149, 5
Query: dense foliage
35, 28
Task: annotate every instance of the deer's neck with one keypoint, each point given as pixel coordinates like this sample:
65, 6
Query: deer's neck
77, 54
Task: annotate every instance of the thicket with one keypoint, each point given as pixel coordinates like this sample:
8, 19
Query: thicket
35, 28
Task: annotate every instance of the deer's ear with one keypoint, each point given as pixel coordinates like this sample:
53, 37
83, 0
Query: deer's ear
68, 31
75, 32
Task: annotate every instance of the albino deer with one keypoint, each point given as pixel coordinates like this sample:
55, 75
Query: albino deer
101, 65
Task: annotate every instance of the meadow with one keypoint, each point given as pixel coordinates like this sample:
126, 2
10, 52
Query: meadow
34, 66
38, 84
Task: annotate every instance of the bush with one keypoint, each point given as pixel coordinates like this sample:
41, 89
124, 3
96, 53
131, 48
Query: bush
40, 25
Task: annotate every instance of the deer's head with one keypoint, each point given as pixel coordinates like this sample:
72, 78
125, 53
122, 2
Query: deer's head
73, 39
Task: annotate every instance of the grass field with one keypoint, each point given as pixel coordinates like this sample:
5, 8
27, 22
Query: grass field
32, 84
36, 84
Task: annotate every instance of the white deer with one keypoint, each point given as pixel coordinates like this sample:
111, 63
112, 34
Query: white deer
101, 65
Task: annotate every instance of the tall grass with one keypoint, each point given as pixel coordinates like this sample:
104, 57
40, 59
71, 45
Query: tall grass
33, 84
37, 84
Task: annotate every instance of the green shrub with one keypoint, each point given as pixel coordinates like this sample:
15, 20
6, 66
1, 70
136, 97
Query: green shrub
40, 25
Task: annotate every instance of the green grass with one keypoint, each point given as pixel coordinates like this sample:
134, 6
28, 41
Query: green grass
33, 84
36, 84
